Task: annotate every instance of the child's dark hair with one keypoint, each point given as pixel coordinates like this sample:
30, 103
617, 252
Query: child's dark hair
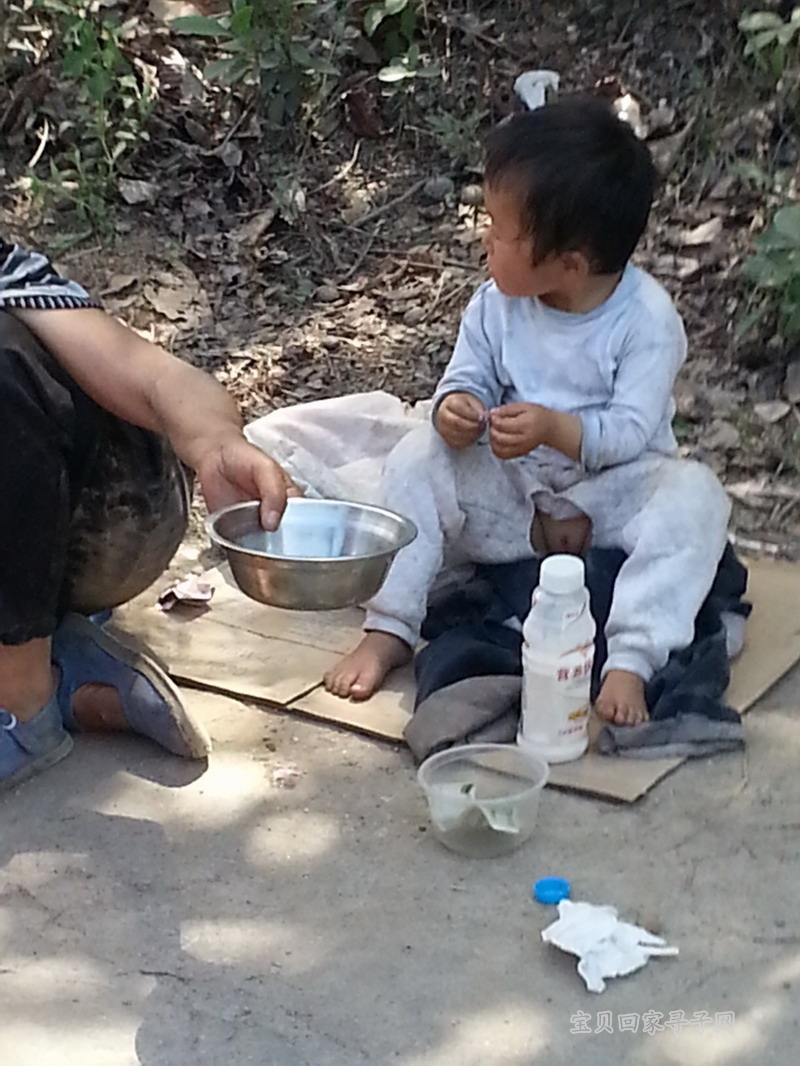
585, 179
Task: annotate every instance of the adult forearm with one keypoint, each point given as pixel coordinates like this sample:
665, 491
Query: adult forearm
137, 380
141, 383
192, 410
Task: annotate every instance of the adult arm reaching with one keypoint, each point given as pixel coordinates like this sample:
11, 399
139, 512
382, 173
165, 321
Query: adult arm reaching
143, 384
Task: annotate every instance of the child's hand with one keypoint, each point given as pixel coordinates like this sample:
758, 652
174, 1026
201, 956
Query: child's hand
518, 428
460, 419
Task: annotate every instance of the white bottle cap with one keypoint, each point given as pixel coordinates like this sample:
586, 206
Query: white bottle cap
562, 574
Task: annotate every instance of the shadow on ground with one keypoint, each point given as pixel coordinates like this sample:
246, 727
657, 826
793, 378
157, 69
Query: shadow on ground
152, 915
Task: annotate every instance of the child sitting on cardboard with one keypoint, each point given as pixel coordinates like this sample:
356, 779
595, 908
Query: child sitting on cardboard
552, 423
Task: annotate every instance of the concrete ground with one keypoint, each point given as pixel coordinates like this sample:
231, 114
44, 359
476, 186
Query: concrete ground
165, 914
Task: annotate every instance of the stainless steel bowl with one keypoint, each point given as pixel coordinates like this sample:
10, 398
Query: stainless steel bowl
324, 555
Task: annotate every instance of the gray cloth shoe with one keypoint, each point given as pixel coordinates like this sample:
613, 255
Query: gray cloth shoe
27, 748
151, 705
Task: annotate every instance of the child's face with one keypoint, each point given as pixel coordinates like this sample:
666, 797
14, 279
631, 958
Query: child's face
510, 252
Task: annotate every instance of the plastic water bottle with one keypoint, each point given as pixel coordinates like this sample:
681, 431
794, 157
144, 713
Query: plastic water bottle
557, 657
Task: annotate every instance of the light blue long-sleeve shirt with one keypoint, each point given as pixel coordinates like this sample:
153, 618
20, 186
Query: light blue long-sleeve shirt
614, 367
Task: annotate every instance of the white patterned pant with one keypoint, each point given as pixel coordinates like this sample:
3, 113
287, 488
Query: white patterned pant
669, 515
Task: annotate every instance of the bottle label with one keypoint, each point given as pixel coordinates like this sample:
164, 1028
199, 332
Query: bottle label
555, 696
576, 722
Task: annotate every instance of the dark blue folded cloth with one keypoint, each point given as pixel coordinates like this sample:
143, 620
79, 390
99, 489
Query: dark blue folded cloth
470, 637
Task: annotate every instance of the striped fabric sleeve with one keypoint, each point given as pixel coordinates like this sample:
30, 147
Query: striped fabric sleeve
29, 280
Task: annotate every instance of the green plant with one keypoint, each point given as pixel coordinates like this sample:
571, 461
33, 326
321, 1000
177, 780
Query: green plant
774, 270
771, 40
398, 19
457, 136
272, 46
393, 27
109, 107
681, 429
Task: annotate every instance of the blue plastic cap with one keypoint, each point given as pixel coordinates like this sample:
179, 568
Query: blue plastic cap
551, 890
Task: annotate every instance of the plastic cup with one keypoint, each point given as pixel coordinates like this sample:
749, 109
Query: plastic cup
483, 799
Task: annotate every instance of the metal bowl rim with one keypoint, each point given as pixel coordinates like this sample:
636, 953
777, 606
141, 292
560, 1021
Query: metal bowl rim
409, 529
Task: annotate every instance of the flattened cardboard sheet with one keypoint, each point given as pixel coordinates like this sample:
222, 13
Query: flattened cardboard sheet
275, 656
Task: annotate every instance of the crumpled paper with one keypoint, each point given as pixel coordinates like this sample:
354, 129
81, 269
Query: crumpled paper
532, 86
605, 946
627, 108
194, 591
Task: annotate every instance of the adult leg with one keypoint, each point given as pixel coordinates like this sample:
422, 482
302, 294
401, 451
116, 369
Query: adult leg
131, 515
670, 516
39, 439
465, 504
38, 442
57, 447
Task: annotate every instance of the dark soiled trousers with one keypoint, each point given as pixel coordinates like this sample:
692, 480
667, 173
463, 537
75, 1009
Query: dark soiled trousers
92, 508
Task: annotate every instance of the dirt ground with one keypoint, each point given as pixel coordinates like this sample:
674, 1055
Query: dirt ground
339, 260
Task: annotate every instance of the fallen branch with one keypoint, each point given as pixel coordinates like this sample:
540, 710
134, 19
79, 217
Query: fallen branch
37, 155
455, 292
750, 490
418, 264
436, 297
789, 550
362, 255
342, 172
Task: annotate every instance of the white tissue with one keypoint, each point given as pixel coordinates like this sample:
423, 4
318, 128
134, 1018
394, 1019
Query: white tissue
627, 108
531, 87
605, 946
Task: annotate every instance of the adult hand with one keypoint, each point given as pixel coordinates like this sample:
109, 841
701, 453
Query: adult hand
460, 419
518, 428
232, 470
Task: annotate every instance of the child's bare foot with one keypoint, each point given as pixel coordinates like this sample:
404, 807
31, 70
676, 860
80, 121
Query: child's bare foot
621, 699
362, 672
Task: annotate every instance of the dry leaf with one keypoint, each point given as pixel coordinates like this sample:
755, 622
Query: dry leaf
791, 385
705, 233
661, 119
722, 436
772, 410
358, 205
230, 153
118, 283
327, 294
166, 10
362, 113
666, 150
134, 191
677, 266
171, 303
723, 188
253, 230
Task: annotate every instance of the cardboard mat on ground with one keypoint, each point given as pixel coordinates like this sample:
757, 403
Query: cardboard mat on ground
278, 657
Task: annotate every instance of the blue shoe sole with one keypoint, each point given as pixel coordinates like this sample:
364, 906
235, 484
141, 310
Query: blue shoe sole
36, 766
